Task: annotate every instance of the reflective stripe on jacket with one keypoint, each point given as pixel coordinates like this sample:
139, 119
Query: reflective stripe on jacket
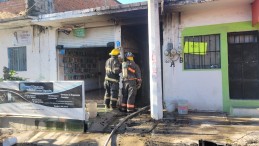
113, 69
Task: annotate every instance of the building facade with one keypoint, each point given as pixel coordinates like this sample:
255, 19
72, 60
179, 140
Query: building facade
209, 50
219, 46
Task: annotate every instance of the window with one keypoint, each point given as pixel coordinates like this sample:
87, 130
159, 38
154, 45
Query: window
17, 58
242, 37
3, 0
202, 52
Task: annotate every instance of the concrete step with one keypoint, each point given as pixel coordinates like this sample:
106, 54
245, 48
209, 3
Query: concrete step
244, 112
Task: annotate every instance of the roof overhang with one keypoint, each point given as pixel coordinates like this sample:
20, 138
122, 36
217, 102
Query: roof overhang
17, 22
112, 15
132, 13
107, 15
191, 5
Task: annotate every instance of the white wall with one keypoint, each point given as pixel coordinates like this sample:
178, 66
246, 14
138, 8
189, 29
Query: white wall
95, 37
202, 88
117, 34
41, 53
209, 15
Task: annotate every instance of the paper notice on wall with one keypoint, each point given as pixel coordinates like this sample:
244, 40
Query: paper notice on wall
22, 38
198, 48
79, 32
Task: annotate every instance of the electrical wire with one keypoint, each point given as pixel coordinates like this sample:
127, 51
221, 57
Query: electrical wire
31, 7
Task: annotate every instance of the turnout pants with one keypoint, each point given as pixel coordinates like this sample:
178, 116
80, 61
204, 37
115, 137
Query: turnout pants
129, 91
111, 93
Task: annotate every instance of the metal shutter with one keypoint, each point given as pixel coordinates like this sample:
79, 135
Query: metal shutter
94, 37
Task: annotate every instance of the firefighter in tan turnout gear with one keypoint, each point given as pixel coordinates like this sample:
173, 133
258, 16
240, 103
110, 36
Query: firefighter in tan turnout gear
131, 83
111, 83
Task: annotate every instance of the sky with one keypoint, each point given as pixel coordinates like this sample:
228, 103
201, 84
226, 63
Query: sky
130, 1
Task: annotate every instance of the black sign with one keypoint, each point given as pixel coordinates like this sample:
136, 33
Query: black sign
43, 94
59, 99
46, 87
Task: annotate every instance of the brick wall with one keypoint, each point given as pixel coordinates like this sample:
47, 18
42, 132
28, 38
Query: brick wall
37, 7
69, 5
13, 6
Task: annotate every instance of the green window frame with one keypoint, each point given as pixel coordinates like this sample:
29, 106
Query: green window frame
202, 52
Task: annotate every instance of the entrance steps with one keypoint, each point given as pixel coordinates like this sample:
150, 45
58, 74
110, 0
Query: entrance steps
245, 112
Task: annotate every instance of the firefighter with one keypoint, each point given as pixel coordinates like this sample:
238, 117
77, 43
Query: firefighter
131, 83
111, 82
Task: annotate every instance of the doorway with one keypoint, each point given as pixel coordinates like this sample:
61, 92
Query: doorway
243, 61
88, 65
134, 38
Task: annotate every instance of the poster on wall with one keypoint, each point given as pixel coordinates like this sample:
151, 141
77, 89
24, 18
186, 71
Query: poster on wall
64, 99
22, 38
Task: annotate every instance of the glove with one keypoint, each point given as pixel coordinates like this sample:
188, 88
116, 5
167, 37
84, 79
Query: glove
138, 86
139, 82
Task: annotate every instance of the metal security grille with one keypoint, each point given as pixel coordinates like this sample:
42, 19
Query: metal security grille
94, 37
17, 58
244, 37
243, 59
202, 52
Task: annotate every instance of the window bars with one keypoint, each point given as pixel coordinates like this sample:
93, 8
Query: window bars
17, 58
202, 52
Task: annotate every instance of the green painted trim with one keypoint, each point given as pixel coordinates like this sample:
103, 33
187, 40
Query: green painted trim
219, 28
223, 30
68, 125
224, 71
204, 69
245, 103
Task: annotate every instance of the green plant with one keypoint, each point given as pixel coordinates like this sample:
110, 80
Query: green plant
10, 75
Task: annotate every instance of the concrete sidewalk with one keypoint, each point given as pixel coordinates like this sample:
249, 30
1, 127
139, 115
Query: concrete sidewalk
141, 130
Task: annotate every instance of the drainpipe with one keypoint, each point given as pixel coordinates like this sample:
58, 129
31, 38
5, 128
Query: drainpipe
155, 61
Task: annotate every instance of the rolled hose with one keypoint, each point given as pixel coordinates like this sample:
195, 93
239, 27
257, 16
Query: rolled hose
124, 120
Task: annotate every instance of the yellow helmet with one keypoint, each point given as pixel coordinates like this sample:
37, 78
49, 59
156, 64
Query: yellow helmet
115, 52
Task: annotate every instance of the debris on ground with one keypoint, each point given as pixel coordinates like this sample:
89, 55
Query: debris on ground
142, 130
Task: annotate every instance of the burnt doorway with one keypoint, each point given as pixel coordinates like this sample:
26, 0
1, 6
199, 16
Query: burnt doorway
134, 38
243, 62
88, 65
